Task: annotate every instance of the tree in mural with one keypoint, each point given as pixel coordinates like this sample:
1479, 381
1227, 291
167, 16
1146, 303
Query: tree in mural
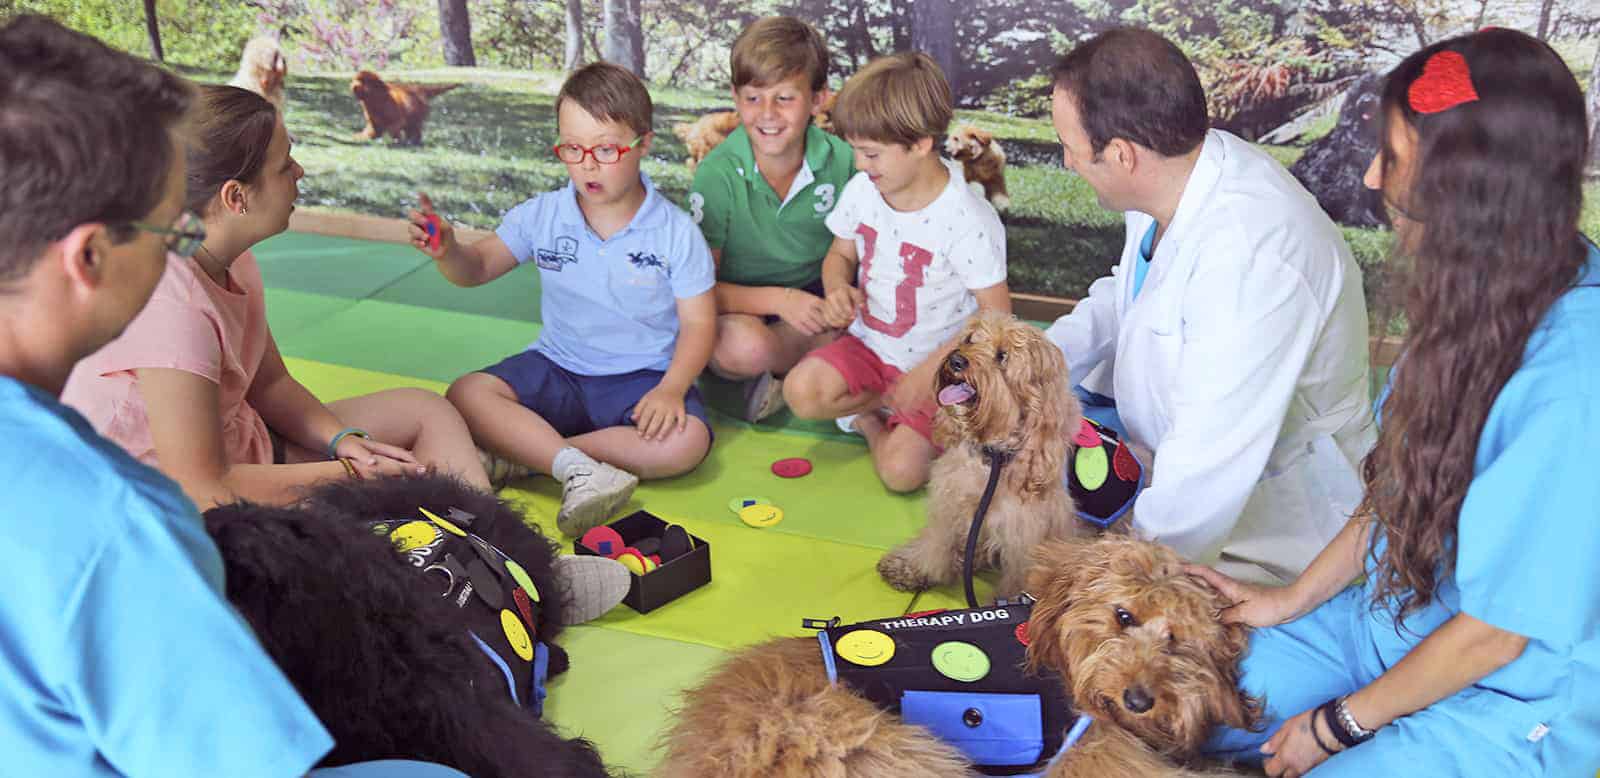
152, 27
624, 39
455, 31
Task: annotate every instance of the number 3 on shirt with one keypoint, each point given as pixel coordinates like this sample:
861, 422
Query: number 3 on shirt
913, 260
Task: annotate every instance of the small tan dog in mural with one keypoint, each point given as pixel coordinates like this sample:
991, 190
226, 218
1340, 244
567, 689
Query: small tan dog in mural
262, 69
983, 163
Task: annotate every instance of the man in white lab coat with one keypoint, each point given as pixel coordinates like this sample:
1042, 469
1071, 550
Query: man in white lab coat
1231, 335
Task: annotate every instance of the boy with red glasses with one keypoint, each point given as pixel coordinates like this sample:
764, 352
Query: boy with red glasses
606, 395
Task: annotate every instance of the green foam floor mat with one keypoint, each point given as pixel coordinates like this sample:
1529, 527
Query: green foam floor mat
408, 340
338, 267
621, 690
513, 296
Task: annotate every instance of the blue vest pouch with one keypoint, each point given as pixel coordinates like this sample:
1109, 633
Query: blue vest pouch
996, 730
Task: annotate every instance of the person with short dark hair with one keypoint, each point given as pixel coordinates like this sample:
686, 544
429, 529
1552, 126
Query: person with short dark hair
1231, 337
121, 653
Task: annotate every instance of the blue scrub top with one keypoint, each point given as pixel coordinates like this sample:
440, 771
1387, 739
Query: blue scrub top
118, 653
1528, 537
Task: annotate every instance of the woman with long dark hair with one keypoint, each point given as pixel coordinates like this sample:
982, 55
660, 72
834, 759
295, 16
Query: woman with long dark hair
1472, 646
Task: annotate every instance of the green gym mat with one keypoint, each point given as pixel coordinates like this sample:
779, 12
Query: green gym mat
354, 317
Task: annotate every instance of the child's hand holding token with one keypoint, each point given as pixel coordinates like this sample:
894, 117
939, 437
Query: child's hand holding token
430, 233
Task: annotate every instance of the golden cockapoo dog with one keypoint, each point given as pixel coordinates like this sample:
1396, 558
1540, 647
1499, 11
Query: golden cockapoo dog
710, 130
704, 134
262, 69
983, 163
1004, 388
1137, 642
394, 109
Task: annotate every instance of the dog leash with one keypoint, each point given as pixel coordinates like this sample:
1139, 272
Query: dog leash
997, 459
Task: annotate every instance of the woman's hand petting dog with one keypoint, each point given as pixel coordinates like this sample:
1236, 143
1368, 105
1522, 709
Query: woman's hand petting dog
805, 312
1253, 606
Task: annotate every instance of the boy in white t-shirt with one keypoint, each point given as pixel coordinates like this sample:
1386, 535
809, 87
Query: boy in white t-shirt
915, 254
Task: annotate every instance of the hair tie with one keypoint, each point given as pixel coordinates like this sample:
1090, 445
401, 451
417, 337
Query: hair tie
1444, 84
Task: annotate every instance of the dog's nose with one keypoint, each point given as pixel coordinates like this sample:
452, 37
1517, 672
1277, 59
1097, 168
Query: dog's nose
956, 362
1137, 699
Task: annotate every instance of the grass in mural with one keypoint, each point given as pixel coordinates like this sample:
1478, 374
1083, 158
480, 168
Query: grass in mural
487, 148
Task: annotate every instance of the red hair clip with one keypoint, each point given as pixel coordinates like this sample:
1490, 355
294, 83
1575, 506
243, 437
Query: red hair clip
1444, 84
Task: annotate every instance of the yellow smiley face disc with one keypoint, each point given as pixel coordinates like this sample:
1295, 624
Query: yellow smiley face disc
412, 534
865, 647
761, 515
517, 635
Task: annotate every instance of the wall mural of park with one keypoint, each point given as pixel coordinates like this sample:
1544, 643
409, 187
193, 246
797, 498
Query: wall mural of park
1276, 71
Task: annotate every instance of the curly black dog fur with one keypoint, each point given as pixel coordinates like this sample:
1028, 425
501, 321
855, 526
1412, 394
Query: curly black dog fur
387, 668
1334, 164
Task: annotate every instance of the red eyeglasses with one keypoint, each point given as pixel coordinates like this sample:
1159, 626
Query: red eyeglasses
605, 153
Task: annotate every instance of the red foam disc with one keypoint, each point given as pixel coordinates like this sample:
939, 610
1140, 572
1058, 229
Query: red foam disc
791, 468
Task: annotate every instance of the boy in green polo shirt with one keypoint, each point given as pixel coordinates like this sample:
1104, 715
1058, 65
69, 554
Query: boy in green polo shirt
761, 198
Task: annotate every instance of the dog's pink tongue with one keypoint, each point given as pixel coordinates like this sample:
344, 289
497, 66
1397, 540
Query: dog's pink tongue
955, 394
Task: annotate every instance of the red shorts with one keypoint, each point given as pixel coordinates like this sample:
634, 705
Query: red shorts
863, 371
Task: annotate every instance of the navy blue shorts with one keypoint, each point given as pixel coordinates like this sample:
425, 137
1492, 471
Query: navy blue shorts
815, 287
575, 404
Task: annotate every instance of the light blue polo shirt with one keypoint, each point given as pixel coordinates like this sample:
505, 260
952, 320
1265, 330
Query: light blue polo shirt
1141, 265
119, 654
1528, 536
609, 306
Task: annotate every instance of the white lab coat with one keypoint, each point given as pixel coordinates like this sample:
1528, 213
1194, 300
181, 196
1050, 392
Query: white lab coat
1242, 364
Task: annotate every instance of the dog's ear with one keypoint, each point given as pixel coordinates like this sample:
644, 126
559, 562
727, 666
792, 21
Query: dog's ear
982, 136
1045, 397
1231, 705
1059, 569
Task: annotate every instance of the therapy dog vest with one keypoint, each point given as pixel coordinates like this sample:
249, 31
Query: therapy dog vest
498, 601
962, 675
1103, 475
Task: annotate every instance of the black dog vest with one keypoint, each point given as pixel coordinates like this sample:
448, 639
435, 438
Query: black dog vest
1104, 476
962, 675
495, 596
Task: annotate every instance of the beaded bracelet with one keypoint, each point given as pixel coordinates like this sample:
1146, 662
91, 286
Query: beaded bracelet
1344, 726
1348, 720
333, 445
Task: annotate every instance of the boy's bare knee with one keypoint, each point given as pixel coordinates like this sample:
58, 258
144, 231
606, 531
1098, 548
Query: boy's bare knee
903, 469
740, 358
802, 392
683, 452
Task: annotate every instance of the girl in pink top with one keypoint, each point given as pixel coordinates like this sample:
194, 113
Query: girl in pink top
196, 385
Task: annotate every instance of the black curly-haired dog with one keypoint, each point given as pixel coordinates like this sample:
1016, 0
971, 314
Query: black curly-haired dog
1333, 165
385, 663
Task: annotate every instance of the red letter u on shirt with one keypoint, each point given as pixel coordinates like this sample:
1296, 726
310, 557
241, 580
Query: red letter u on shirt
913, 260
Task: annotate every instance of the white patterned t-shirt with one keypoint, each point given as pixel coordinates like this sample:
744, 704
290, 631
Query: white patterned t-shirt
919, 269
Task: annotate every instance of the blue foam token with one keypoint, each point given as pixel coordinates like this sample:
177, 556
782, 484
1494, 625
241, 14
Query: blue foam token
740, 503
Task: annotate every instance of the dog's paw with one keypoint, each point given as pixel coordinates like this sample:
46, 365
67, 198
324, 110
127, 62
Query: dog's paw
901, 574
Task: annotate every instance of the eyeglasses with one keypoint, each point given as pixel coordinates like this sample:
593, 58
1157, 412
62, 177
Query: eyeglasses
183, 237
605, 153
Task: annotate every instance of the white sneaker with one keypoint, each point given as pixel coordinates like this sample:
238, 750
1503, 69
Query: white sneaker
500, 470
591, 495
848, 424
763, 397
588, 586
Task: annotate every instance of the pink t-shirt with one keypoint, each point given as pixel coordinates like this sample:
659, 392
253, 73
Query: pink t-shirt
190, 324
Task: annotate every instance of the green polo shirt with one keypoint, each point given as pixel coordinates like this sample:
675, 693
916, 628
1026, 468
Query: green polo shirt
767, 240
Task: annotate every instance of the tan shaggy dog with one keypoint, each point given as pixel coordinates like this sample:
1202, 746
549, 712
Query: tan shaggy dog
705, 134
1018, 401
394, 109
1137, 641
983, 163
262, 69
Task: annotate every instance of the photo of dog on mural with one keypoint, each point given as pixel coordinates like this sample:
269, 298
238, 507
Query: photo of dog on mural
794, 389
